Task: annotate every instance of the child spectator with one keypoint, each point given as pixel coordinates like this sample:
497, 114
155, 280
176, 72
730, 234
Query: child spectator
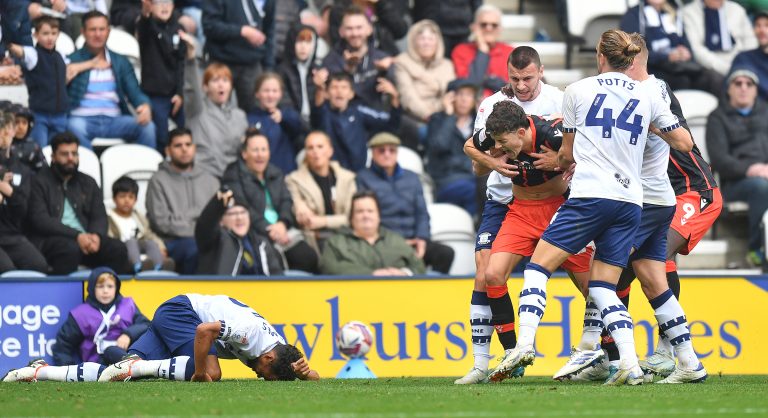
45, 73
297, 67
163, 49
101, 329
28, 152
350, 124
280, 124
132, 228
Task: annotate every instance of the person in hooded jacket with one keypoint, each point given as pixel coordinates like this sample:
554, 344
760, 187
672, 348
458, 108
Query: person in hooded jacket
101, 329
26, 150
296, 69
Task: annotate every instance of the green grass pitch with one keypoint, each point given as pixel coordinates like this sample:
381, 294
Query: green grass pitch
727, 396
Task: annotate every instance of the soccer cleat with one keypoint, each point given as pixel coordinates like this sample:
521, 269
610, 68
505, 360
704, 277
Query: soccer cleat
630, 376
579, 360
597, 373
120, 371
513, 360
659, 363
696, 375
27, 373
474, 376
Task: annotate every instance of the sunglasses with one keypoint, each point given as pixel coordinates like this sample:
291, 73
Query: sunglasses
491, 25
742, 83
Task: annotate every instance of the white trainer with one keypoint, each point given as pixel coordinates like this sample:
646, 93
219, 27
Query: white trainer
120, 371
597, 373
512, 360
629, 376
27, 373
696, 375
580, 360
474, 376
659, 363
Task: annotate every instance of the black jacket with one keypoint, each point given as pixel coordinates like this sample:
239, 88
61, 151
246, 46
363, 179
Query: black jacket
46, 204
13, 209
221, 251
125, 13
452, 16
735, 142
162, 56
222, 21
249, 192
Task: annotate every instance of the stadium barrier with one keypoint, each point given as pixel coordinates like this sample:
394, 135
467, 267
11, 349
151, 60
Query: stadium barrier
420, 325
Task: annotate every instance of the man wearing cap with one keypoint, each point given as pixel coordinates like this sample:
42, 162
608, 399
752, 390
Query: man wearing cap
401, 201
737, 137
757, 59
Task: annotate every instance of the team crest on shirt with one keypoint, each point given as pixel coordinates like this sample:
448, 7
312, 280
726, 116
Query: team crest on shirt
239, 337
484, 238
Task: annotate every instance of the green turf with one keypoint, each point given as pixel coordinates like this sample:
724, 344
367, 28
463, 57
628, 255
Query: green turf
395, 398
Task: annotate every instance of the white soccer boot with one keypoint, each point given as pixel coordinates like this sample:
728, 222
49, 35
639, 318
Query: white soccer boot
474, 376
580, 360
597, 373
120, 371
625, 376
27, 373
680, 375
512, 362
659, 363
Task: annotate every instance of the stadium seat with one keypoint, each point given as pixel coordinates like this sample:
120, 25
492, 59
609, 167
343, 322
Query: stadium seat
81, 274
156, 273
135, 161
697, 105
89, 162
453, 226
15, 93
21, 274
587, 20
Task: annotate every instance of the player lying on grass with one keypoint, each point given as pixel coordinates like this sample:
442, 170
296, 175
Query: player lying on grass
187, 336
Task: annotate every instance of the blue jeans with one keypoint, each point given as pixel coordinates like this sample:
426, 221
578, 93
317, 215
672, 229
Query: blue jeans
161, 111
754, 191
125, 126
47, 125
461, 193
184, 252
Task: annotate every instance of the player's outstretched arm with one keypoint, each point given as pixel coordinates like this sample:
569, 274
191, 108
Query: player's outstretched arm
303, 372
678, 138
205, 335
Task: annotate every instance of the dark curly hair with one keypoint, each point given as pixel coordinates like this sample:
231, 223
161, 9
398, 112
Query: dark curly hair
285, 355
506, 116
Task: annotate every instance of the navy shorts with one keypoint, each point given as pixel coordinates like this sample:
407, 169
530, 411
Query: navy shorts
651, 238
611, 224
171, 332
493, 214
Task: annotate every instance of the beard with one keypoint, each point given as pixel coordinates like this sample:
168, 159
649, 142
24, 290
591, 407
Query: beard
65, 169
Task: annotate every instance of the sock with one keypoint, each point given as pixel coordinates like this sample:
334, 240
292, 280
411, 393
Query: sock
663, 345
609, 346
503, 319
593, 326
673, 280
83, 372
673, 324
616, 319
533, 301
174, 368
623, 295
482, 330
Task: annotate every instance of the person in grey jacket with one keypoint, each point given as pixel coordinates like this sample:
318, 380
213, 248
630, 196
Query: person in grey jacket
176, 195
228, 246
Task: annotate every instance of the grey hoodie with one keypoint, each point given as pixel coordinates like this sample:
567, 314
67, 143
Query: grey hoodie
175, 200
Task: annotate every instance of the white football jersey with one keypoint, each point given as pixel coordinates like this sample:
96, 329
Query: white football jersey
657, 190
610, 114
244, 334
548, 102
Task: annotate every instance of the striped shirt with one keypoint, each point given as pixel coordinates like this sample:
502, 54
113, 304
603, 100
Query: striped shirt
100, 98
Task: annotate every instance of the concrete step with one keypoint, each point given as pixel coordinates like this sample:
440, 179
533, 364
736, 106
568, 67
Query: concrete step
708, 254
517, 28
552, 54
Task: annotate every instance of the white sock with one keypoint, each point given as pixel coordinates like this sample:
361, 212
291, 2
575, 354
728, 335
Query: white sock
482, 330
674, 326
616, 319
172, 369
663, 345
533, 301
593, 326
83, 372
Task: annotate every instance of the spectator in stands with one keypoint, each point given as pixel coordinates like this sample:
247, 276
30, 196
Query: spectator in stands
296, 69
446, 133
484, 59
192, 19
94, 331
348, 123
287, 17
387, 18
24, 149
215, 121
737, 137
102, 84
125, 13
422, 73
240, 34
260, 186
228, 246
757, 59
73, 10
67, 216
16, 252
401, 201
368, 248
714, 44
163, 50
132, 228
15, 26
280, 124
45, 74
321, 190
669, 56
454, 17
176, 195
354, 54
